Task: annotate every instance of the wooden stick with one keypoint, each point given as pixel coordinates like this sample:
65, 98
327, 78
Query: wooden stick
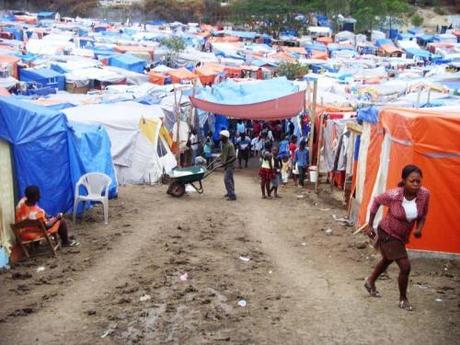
361, 228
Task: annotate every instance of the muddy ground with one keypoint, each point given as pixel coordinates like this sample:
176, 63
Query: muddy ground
175, 271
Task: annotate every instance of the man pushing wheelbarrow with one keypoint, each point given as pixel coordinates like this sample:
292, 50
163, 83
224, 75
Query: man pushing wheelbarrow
182, 176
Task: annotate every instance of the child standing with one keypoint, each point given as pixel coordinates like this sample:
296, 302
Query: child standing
276, 172
301, 160
285, 168
266, 173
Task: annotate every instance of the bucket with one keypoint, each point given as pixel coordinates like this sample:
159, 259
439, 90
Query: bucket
313, 173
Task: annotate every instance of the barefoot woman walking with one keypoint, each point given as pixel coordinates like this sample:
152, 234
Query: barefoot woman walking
407, 208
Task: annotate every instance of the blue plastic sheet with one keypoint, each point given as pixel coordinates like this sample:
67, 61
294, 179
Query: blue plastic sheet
230, 92
128, 62
49, 153
368, 114
43, 76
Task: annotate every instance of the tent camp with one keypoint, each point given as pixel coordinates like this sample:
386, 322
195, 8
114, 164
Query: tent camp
140, 149
47, 151
406, 135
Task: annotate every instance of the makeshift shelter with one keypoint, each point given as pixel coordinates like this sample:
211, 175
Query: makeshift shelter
128, 62
43, 76
140, 148
259, 100
11, 64
427, 138
181, 75
48, 151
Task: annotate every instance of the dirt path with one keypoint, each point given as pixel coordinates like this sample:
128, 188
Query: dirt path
300, 285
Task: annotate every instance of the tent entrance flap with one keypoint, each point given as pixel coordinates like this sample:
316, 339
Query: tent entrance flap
275, 109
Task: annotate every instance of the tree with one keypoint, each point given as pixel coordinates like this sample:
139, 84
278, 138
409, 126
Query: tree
175, 45
292, 70
416, 20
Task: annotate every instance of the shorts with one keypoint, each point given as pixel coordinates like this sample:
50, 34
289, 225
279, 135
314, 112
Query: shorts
276, 180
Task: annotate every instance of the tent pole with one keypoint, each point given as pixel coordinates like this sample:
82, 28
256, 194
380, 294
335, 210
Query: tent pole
176, 112
318, 156
313, 120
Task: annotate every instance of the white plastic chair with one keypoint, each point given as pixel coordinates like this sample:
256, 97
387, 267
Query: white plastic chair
97, 185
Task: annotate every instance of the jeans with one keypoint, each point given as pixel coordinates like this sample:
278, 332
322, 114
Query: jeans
229, 182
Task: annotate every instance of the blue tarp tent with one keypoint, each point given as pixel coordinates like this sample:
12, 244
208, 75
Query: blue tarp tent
45, 15
129, 62
383, 41
52, 153
231, 92
417, 53
43, 76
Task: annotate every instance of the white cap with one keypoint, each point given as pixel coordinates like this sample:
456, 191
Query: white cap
225, 133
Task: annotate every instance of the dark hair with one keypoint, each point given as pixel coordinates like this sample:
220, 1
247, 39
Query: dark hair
32, 194
407, 170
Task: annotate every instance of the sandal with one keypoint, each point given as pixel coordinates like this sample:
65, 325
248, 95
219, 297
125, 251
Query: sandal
404, 304
373, 292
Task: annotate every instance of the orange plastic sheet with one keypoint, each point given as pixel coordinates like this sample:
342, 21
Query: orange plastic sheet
321, 55
134, 49
325, 40
429, 139
157, 78
390, 49
208, 72
13, 61
181, 74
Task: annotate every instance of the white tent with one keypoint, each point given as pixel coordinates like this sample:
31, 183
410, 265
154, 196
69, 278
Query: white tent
140, 153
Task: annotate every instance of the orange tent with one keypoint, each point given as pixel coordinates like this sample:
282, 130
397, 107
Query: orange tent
321, 55
390, 50
157, 78
134, 50
430, 140
208, 72
13, 62
325, 40
226, 39
181, 74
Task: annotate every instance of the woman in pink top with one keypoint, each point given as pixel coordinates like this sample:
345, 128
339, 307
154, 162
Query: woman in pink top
407, 208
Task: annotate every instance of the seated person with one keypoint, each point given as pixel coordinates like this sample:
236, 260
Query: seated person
28, 208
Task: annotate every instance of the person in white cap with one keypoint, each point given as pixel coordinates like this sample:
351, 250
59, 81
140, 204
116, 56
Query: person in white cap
228, 158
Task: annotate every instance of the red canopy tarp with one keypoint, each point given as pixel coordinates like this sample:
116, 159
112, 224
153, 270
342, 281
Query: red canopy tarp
275, 109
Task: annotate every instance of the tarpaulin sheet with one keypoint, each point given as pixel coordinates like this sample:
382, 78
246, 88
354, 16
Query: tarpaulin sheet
128, 62
46, 152
43, 76
275, 109
428, 139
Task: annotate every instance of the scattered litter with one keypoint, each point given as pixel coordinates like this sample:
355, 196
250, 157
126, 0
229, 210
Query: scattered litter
190, 189
344, 221
324, 209
270, 272
245, 258
304, 244
300, 196
422, 286
184, 277
109, 330
329, 232
242, 303
438, 300
145, 298
40, 269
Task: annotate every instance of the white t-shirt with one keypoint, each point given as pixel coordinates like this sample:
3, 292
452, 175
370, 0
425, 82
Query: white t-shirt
410, 207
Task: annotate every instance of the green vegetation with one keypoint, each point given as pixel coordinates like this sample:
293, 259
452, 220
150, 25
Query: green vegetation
273, 16
175, 45
292, 70
416, 20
